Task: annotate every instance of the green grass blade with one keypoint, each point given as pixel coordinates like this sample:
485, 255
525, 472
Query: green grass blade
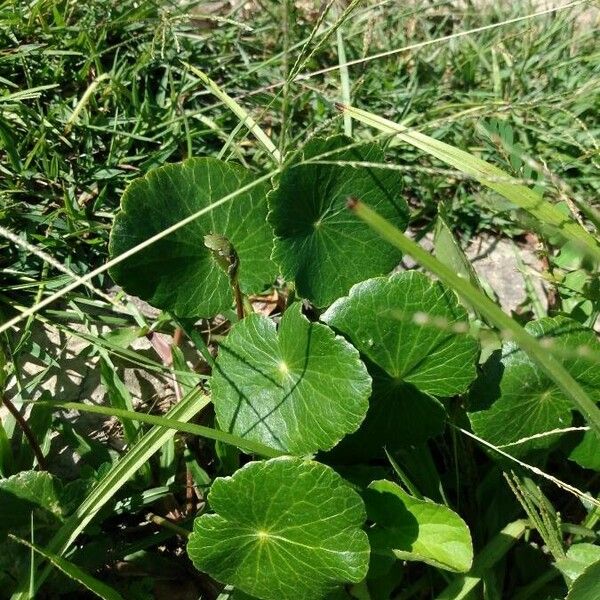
200, 430
344, 80
120, 473
510, 328
487, 174
95, 586
239, 111
84, 100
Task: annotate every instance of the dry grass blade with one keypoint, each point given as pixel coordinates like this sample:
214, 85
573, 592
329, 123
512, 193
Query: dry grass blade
561, 484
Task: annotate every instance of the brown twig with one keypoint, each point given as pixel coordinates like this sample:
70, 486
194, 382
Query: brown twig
37, 451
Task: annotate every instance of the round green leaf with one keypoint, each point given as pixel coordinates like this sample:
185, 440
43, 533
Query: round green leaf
319, 245
299, 389
407, 324
283, 529
513, 399
414, 529
183, 272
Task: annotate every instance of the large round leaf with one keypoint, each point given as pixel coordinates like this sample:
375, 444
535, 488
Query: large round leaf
413, 529
179, 272
513, 399
299, 390
319, 244
282, 529
407, 325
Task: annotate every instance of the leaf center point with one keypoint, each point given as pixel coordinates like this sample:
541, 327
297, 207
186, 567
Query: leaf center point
262, 535
283, 368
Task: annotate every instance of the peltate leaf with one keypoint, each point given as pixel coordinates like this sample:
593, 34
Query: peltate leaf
299, 389
318, 244
513, 399
415, 529
180, 272
406, 324
283, 529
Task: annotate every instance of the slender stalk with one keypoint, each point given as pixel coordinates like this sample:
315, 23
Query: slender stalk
189, 480
20, 419
285, 102
84, 100
189, 491
509, 328
239, 299
177, 336
344, 80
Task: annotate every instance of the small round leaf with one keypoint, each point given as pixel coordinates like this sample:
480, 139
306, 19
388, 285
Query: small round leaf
514, 399
407, 325
182, 272
299, 389
319, 245
283, 529
29, 492
414, 529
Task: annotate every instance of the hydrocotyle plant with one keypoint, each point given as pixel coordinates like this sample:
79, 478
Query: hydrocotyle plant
358, 362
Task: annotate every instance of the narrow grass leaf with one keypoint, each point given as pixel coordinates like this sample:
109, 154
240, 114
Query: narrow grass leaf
95, 586
487, 174
170, 423
240, 112
119, 474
